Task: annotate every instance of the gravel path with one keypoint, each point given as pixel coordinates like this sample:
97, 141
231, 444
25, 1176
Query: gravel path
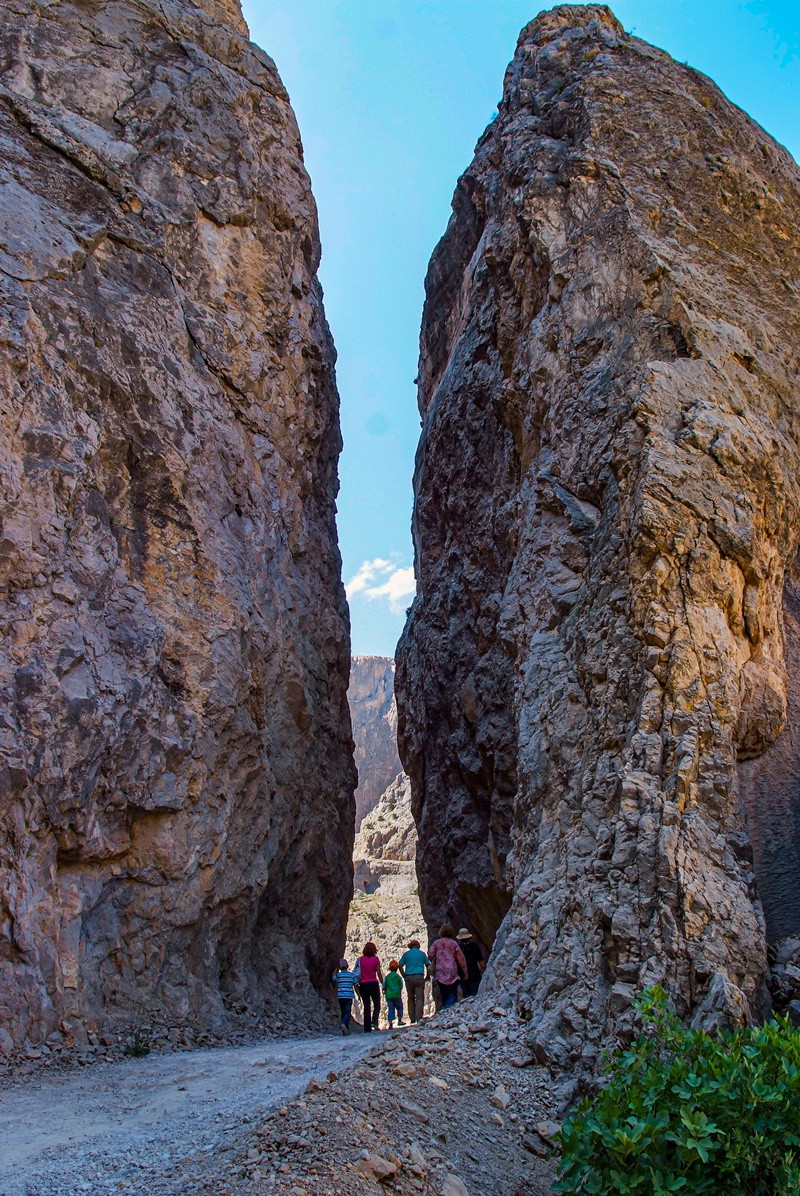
158, 1125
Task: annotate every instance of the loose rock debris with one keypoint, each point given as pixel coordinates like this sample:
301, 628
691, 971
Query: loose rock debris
442, 1109
313, 1117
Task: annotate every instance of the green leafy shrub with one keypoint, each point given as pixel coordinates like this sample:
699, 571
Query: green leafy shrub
138, 1045
684, 1112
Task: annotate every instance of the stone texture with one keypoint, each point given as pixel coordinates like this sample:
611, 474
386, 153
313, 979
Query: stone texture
770, 788
374, 717
385, 848
606, 504
174, 736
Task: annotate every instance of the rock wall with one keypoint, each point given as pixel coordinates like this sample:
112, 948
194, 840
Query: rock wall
770, 789
374, 717
385, 848
385, 906
176, 775
606, 502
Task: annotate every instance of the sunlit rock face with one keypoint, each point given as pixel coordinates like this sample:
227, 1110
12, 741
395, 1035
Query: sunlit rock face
385, 904
607, 499
374, 717
175, 756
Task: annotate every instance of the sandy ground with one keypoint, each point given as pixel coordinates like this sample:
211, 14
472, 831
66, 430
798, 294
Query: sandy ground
155, 1125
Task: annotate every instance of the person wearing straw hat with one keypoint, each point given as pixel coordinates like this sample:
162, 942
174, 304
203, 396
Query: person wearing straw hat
475, 963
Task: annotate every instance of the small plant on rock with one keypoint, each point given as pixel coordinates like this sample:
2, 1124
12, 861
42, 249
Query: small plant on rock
683, 1112
138, 1045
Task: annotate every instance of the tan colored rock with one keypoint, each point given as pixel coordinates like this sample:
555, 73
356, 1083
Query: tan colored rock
406, 1070
374, 716
386, 905
606, 508
453, 1186
385, 847
409, 1106
419, 1163
175, 771
374, 1166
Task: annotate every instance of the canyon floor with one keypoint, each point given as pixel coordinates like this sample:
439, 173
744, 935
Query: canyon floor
442, 1109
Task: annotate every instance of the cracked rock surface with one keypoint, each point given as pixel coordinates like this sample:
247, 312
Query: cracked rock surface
374, 716
606, 508
175, 758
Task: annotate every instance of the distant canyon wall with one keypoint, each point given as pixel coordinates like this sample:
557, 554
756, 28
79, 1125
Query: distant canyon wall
374, 716
386, 905
176, 775
607, 501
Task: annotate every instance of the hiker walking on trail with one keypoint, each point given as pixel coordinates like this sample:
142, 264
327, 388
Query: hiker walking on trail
369, 967
449, 964
393, 991
475, 962
415, 968
345, 982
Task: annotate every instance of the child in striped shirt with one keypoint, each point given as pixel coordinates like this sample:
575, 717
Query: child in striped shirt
345, 982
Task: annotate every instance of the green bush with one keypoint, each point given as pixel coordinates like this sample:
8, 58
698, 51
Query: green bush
683, 1112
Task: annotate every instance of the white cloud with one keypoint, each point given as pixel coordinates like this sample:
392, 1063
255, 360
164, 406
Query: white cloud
383, 579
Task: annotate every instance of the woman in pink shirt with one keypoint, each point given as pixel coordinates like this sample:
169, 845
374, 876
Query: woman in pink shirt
370, 985
449, 964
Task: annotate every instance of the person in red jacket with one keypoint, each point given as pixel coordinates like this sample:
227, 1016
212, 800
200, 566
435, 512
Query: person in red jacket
449, 964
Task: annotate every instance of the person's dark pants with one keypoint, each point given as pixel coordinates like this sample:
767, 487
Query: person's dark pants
346, 1007
469, 987
449, 994
371, 996
415, 986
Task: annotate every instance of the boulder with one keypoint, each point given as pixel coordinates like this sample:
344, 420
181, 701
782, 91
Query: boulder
606, 516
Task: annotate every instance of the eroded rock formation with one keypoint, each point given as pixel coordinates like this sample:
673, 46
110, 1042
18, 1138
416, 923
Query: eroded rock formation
385, 904
374, 716
176, 804
385, 848
607, 500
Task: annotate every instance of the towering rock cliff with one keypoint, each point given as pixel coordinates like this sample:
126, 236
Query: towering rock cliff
607, 508
175, 768
374, 717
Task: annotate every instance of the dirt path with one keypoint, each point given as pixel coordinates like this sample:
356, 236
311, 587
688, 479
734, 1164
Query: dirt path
152, 1125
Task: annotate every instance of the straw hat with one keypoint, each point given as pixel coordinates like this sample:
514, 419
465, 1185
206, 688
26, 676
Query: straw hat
464, 933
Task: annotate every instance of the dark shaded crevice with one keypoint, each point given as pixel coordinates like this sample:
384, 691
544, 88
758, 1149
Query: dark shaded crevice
770, 793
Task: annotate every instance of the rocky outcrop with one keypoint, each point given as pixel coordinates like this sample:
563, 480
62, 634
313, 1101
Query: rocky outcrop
374, 717
385, 848
175, 754
606, 505
385, 905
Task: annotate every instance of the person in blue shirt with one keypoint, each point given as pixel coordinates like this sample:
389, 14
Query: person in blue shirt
415, 968
345, 982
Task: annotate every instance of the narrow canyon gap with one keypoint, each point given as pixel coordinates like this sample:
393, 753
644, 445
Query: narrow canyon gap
606, 504
176, 801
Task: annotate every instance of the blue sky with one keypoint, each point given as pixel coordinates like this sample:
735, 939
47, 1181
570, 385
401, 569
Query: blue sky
391, 97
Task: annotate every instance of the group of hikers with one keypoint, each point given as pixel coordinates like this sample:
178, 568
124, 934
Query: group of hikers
453, 962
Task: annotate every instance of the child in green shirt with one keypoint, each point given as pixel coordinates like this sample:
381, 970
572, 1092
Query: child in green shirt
393, 991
